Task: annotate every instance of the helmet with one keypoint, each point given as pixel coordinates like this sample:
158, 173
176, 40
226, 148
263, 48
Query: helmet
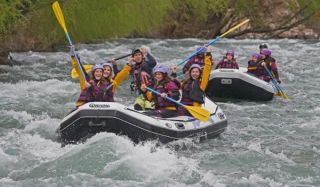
266, 52
108, 64
135, 51
95, 67
230, 52
195, 66
263, 46
257, 55
161, 68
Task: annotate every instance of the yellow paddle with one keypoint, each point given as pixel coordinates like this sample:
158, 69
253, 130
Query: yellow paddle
280, 91
197, 112
58, 13
87, 68
214, 41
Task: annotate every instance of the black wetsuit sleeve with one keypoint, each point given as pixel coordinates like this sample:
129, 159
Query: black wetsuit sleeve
149, 65
115, 69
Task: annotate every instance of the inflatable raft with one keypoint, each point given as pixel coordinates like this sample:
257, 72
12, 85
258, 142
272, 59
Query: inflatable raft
238, 84
96, 117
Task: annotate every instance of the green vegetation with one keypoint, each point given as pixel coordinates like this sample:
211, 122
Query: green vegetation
88, 21
11, 11
31, 24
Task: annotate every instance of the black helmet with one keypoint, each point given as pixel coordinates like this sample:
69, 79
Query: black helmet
263, 46
135, 51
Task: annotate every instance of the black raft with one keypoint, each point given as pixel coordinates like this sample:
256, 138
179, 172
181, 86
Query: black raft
96, 117
237, 84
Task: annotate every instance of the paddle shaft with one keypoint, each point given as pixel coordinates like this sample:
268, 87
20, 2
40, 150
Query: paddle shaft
121, 57
273, 80
75, 55
166, 97
213, 41
200, 50
108, 87
58, 13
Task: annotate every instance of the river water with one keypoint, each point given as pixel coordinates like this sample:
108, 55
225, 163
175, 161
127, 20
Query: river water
274, 143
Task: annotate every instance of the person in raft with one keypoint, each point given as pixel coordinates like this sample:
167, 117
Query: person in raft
94, 88
228, 61
193, 89
167, 86
253, 64
197, 59
141, 73
268, 61
262, 46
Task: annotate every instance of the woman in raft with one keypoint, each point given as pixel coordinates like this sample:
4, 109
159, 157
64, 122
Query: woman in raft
101, 85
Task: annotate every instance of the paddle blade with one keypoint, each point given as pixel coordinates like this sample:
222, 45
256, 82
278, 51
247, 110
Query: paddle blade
57, 11
281, 94
278, 94
198, 112
87, 68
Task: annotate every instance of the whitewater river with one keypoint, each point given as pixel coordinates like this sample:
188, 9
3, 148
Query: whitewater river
274, 143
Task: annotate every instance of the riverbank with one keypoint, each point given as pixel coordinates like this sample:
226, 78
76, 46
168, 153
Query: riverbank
36, 29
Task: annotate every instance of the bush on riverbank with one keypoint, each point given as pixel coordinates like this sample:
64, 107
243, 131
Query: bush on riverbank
31, 24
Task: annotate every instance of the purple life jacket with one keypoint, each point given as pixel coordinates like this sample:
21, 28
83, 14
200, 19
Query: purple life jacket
172, 89
252, 64
224, 63
191, 92
96, 93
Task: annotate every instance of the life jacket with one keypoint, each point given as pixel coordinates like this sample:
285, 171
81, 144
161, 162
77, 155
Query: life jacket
272, 67
225, 63
169, 87
136, 77
191, 92
97, 93
252, 67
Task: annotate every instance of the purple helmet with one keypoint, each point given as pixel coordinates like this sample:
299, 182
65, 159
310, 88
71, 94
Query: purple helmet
266, 52
161, 68
230, 52
108, 64
256, 55
95, 67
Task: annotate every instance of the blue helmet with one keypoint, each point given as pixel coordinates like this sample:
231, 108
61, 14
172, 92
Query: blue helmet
161, 68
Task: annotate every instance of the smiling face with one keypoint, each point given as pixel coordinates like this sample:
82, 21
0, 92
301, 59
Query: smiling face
98, 74
137, 57
195, 73
107, 71
229, 56
158, 76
